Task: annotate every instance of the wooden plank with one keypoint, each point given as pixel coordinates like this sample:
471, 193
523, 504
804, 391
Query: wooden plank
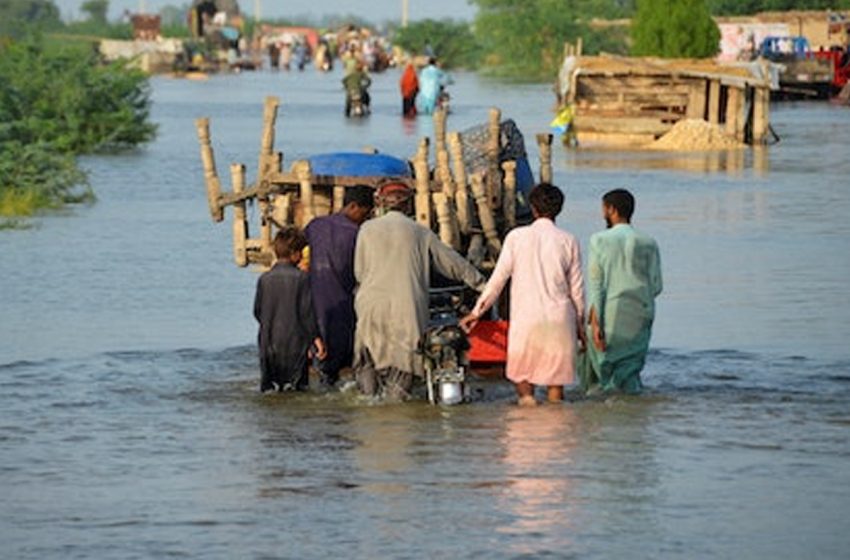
714, 102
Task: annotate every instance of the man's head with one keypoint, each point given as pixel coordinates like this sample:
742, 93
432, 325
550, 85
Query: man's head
617, 207
395, 194
432, 60
358, 203
546, 201
288, 245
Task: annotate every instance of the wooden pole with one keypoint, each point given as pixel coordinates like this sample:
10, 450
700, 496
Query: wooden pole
544, 143
696, 101
509, 200
733, 111
494, 171
444, 218
714, 101
423, 188
760, 115
440, 130
445, 174
461, 189
305, 177
240, 222
267, 140
282, 203
210, 174
485, 214
339, 198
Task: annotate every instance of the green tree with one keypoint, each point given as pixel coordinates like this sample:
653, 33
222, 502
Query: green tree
56, 103
18, 16
525, 38
452, 41
96, 10
743, 7
674, 29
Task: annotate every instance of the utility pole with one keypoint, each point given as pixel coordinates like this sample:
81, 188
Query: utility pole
405, 12
258, 9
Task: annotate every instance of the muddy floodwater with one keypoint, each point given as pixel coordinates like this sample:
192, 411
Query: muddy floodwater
131, 426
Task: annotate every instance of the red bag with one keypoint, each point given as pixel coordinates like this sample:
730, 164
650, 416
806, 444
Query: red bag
489, 342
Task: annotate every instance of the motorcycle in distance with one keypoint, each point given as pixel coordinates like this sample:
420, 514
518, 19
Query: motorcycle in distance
357, 101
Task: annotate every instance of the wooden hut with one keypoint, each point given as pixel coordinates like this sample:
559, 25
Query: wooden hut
622, 101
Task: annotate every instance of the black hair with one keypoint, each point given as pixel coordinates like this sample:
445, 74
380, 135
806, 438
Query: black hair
622, 201
289, 241
361, 195
547, 200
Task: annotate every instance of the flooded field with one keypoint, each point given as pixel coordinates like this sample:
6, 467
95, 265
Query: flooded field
130, 424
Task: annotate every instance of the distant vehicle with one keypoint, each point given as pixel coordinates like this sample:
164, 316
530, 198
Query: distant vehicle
805, 75
840, 60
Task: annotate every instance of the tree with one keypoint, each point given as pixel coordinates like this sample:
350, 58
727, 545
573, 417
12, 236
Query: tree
96, 10
674, 29
452, 41
16, 16
525, 38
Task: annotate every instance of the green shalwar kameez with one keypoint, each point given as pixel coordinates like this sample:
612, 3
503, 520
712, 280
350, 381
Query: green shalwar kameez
623, 280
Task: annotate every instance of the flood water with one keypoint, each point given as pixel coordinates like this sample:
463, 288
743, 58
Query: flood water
131, 426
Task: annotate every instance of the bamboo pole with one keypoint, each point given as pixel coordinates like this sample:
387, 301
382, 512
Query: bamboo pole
494, 172
339, 198
509, 200
304, 173
544, 144
461, 189
423, 188
270, 107
210, 174
240, 222
485, 215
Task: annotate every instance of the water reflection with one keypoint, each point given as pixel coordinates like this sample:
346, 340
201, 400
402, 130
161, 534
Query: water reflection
731, 162
539, 445
383, 454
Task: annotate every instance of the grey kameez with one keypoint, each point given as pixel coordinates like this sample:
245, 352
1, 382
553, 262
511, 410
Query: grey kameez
392, 266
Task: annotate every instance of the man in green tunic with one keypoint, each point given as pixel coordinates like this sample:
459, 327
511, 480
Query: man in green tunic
393, 260
623, 280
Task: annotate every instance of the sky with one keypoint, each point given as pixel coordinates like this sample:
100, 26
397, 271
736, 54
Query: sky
372, 10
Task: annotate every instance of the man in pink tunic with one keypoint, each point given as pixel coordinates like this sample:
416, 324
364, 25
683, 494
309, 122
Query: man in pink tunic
546, 303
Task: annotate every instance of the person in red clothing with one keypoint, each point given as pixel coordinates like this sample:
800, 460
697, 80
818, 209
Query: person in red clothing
409, 88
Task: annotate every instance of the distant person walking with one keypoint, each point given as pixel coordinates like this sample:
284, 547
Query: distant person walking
624, 278
409, 85
547, 299
432, 80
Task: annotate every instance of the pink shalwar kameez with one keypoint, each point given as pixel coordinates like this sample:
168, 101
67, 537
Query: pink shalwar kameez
547, 301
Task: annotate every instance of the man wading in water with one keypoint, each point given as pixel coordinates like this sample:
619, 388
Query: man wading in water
392, 266
624, 278
332, 240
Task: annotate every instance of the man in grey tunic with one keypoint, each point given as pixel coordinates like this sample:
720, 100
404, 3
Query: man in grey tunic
392, 267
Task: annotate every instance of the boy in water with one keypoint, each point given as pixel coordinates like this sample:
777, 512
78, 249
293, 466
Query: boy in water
288, 335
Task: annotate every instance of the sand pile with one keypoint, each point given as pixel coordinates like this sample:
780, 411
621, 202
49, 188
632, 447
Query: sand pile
694, 135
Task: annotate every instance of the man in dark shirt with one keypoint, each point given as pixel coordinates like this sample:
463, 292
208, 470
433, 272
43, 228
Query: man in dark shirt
284, 309
332, 240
